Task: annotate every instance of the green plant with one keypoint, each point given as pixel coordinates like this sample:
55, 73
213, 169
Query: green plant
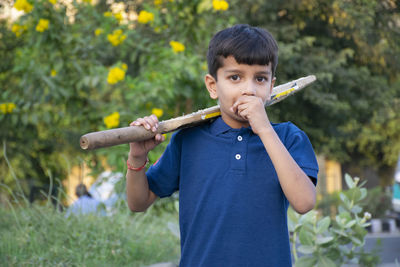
42, 235
378, 202
333, 241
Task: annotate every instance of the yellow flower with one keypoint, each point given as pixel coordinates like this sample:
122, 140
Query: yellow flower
118, 16
7, 107
53, 73
220, 5
115, 75
112, 120
116, 38
10, 107
145, 17
23, 5
157, 2
107, 14
42, 25
124, 66
88, 1
18, 29
98, 31
3, 108
157, 111
177, 46
53, 1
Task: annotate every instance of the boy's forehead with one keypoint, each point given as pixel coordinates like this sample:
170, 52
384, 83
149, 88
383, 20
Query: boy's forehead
230, 63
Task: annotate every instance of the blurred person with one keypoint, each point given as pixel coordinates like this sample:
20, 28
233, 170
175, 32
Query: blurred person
85, 203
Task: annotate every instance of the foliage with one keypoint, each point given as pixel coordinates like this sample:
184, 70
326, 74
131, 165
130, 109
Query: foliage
352, 113
378, 202
68, 66
81, 67
333, 241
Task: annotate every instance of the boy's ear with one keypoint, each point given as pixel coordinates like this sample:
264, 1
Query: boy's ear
211, 85
272, 86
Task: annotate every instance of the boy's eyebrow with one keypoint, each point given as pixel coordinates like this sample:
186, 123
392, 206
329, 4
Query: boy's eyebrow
264, 72
239, 71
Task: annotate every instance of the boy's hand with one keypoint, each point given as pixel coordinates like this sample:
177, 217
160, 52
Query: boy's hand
139, 150
251, 108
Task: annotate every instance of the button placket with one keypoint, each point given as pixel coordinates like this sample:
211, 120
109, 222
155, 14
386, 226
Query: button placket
239, 149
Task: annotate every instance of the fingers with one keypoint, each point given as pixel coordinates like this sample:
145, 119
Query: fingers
240, 106
159, 138
246, 106
152, 143
148, 122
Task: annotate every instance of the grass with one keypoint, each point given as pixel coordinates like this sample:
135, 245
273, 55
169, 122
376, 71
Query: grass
40, 235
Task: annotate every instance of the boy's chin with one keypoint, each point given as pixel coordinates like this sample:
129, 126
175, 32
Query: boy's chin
240, 119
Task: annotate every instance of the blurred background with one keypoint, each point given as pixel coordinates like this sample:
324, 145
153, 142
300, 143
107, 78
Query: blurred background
71, 67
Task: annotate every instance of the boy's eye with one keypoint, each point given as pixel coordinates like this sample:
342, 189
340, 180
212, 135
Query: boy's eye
261, 79
235, 77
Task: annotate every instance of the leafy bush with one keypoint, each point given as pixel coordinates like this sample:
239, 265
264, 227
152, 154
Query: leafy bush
378, 202
333, 241
73, 67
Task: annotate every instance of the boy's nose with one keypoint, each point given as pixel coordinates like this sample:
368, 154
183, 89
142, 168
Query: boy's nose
249, 89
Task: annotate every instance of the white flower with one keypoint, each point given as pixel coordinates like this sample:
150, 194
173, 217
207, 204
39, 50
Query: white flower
367, 215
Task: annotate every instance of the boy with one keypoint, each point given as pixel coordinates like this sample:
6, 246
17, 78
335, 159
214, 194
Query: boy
237, 174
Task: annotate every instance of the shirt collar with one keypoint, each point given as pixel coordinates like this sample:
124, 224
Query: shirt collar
220, 127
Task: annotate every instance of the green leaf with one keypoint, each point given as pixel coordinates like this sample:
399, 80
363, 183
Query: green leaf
363, 193
309, 217
350, 224
305, 262
345, 200
356, 209
48, 82
324, 240
306, 249
349, 181
340, 232
354, 194
305, 236
293, 216
356, 241
325, 262
345, 215
323, 225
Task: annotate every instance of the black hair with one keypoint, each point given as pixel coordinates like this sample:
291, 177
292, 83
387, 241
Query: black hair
81, 190
247, 44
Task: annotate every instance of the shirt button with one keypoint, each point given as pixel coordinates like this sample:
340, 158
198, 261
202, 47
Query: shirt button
239, 138
237, 156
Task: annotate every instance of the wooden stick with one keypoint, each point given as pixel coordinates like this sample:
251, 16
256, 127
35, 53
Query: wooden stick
129, 134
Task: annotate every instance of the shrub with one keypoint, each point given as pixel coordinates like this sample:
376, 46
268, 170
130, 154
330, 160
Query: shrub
333, 241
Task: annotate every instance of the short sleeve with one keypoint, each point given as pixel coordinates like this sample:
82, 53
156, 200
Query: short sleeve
163, 176
299, 146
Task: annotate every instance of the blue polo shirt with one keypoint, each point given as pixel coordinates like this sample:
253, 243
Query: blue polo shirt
232, 210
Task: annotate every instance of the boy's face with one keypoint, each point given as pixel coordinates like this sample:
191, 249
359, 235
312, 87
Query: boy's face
237, 80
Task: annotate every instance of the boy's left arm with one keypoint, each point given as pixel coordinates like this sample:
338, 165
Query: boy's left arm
296, 185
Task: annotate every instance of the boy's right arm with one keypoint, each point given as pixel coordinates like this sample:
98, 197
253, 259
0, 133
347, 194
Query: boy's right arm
139, 196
